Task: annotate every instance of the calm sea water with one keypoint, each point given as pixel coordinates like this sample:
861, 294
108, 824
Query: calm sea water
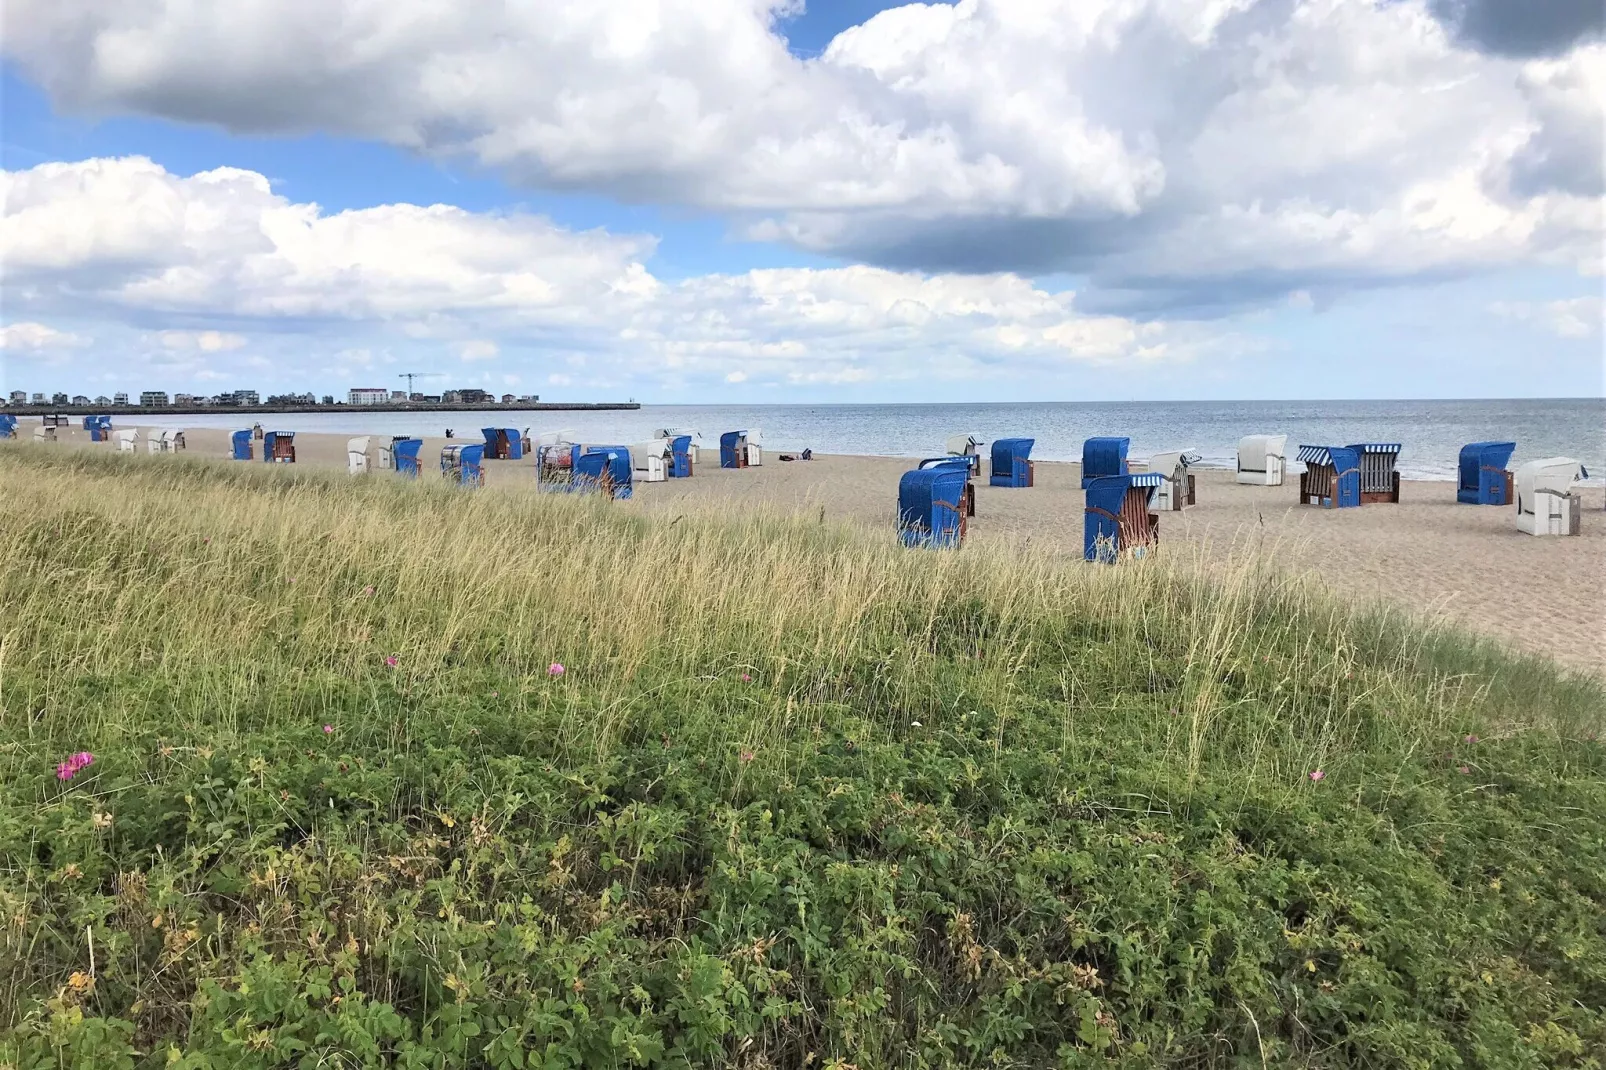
1432, 432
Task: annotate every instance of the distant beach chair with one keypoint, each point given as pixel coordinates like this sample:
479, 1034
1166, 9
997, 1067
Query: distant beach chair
99, 428
554, 459
279, 447
1178, 490
56, 419
1380, 482
44, 434
1104, 456
604, 470
1332, 476
734, 451
1262, 460
8, 425
695, 436
1011, 464
961, 463
650, 461
931, 504
240, 446
404, 452
154, 442
682, 457
461, 464
125, 439
967, 446
357, 455
1546, 504
755, 448
172, 441
1116, 520
503, 443
1484, 479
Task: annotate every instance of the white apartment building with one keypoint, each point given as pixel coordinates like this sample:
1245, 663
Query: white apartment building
367, 395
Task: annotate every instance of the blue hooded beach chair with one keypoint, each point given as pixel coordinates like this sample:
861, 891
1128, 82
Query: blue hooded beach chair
733, 449
503, 443
1011, 463
680, 457
1103, 457
1484, 479
279, 447
1116, 518
962, 463
404, 453
1379, 480
931, 505
605, 469
240, 445
8, 425
1332, 476
461, 464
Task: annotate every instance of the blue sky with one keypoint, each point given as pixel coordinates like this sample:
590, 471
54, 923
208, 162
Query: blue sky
715, 203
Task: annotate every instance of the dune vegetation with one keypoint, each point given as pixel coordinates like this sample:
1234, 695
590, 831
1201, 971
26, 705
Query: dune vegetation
304, 770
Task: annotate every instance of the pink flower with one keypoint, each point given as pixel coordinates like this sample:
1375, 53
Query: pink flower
74, 765
746, 679
368, 590
1317, 774
1464, 770
328, 729
556, 669
496, 694
747, 756
391, 661
1470, 739
292, 579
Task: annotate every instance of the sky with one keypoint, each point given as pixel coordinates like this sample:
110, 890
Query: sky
758, 201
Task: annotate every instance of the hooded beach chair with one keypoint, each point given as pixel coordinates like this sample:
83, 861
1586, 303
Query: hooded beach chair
1380, 482
357, 455
1483, 477
461, 464
962, 464
682, 456
125, 439
1262, 459
1546, 504
154, 441
172, 441
404, 451
8, 425
931, 504
695, 438
605, 470
967, 446
1104, 457
1332, 476
1116, 520
733, 449
99, 428
57, 419
44, 434
650, 461
503, 443
240, 445
1012, 463
554, 459
279, 447
755, 448
1177, 492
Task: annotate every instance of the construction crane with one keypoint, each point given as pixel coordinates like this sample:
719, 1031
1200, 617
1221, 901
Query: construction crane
410, 376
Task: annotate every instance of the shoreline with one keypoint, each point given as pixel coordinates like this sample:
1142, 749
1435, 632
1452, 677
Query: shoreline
1462, 563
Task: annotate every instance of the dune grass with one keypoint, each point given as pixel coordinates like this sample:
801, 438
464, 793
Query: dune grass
797, 797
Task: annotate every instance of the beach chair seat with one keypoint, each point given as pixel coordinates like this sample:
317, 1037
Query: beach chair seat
1261, 460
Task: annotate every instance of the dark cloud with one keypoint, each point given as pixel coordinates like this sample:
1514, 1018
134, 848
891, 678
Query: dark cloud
1522, 28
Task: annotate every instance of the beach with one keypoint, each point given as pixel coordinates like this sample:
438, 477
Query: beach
1428, 554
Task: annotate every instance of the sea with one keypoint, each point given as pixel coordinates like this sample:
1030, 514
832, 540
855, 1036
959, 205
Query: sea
1430, 432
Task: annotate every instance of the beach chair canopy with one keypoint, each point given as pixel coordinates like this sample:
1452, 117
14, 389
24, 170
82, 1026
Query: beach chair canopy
963, 445
642, 451
1173, 462
125, 437
755, 436
931, 504
1255, 451
1323, 455
240, 443
1392, 448
1103, 456
1481, 472
1549, 475
357, 445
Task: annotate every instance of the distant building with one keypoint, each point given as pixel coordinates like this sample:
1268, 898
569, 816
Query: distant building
19, 397
398, 395
58, 398
184, 399
80, 399
452, 397
471, 396
428, 399
507, 399
529, 397
120, 398
38, 398
367, 395
247, 397
152, 399
102, 399
328, 399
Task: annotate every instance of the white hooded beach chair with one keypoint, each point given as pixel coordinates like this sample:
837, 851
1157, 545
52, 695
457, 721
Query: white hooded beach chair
44, 434
1262, 459
1177, 491
755, 447
126, 438
172, 441
155, 442
650, 461
967, 446
1546, 504
357, 455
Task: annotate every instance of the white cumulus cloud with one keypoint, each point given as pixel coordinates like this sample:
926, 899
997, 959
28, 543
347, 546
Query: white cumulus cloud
32, 337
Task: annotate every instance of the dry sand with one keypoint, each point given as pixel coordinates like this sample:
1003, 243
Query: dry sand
1467, 563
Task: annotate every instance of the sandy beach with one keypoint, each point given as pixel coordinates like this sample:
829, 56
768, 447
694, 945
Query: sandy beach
1465, 563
